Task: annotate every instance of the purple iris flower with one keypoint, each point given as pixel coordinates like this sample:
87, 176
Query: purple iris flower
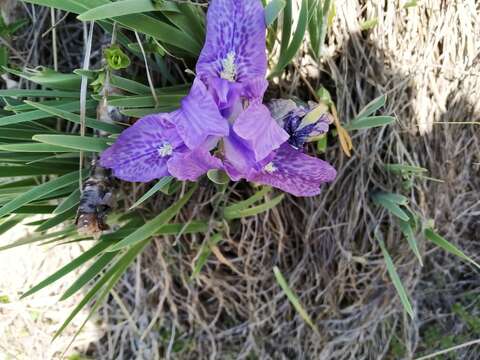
224, 113
155, 145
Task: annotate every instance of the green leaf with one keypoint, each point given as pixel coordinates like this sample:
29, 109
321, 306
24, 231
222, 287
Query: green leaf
89, 122
369, 122
162, 183
294, 300
34, 148
49, 78
392, 272
447, 246
143, 23
89, 274
39, 191
204, 253
124, 7
296, 41
218, 176
82, 143
371, 107
105, 283
149, 229
72, 200
38, 115
56, 220
404, 169
39, 93
68, 268
273, 10
244, 204
390, 203
322, 145
255, 210
30, 170
407, 231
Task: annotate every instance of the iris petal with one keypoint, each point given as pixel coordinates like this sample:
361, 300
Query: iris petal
257, 127
235, 31
199, 117
135, 155
294, 172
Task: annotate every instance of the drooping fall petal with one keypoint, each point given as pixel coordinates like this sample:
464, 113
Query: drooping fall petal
141, 152
294, 172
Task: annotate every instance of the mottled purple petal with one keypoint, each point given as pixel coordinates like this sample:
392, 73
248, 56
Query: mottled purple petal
199, 117
234, 27
294, 172
256, 126
192, 164
136, 155
239, 158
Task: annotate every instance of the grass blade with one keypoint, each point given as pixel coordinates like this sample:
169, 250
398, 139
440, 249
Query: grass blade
392, 272
447, 246
293, 298
81, 143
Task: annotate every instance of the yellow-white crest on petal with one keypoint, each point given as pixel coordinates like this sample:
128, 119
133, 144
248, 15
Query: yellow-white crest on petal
229, 71
165, 149
270, 168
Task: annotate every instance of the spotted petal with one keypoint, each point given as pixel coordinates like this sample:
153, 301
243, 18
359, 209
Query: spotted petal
199, 117
294, 172
236, 32
135, 156
262, 133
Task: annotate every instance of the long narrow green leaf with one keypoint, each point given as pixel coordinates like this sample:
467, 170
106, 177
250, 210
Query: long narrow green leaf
270, 204
89, 122
448, 246
72, 200
124, 7
204, 253
370, 122
293, 298
56, 220
38, 114
391, 206
39, 93
82, 143
392, 272
89, 274
140, 22
407, 231
39, 191
107, 281
371, 107
296, 41
74, 264
162, 183
149, 229
241, 205
33, 148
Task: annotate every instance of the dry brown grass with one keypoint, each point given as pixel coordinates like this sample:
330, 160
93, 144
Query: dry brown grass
426, 59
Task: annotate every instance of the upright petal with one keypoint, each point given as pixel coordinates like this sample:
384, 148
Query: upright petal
199, 117
192, 164
294, 172
141, 151
257, 127
235, 44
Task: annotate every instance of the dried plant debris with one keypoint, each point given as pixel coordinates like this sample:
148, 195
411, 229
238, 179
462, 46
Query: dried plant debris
96, 201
